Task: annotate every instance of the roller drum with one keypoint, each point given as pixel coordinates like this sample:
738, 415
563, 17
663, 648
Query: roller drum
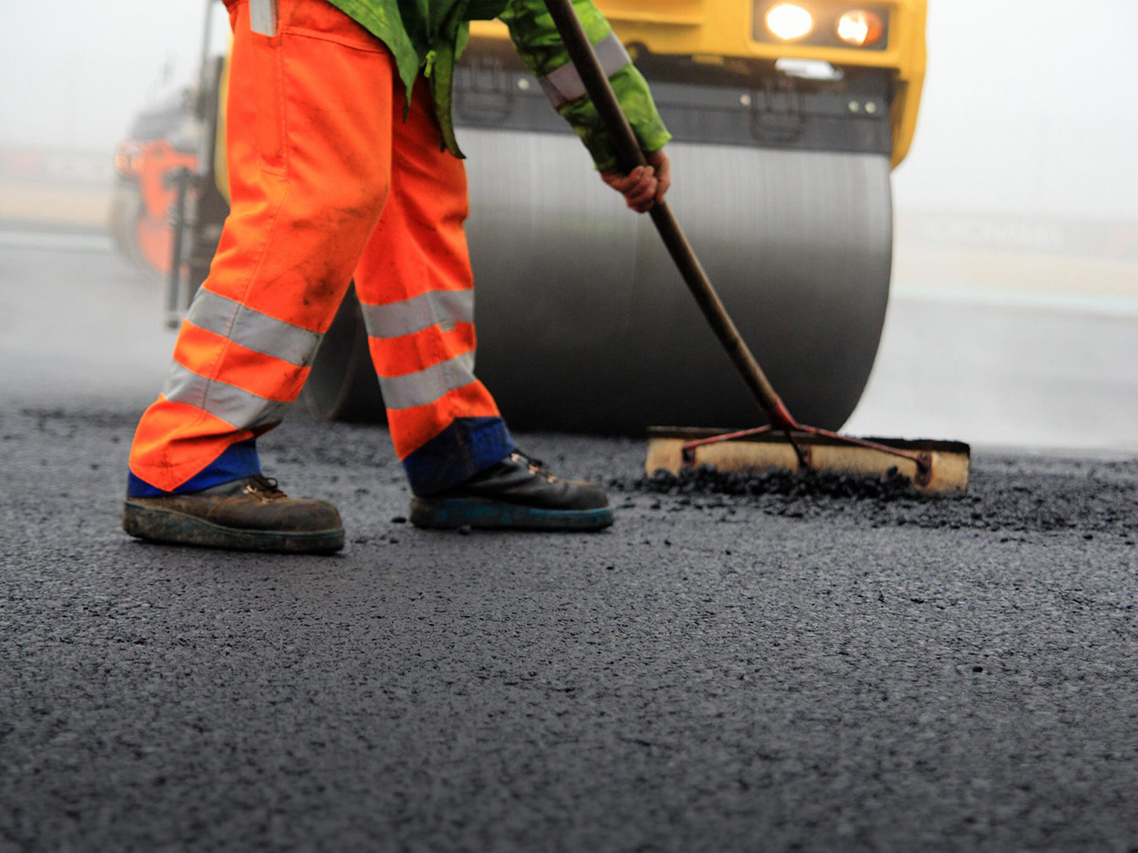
585, 325
341, 383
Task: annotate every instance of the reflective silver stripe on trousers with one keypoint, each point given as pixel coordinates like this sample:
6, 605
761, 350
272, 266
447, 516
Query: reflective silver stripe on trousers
264, 17
426, 386
233, 405
565, 85
252, 329
436, 307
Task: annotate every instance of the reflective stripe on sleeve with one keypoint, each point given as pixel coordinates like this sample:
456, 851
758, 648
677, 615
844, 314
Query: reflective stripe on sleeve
436, 307
252, 329
565, 84
428, 385
233, 405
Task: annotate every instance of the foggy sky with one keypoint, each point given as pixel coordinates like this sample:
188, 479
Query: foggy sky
1030, 105
74, 72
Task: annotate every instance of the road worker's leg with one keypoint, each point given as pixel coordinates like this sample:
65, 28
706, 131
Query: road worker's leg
415, 283
309, 125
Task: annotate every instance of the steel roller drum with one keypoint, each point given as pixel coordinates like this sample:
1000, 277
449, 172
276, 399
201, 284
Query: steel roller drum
585, 325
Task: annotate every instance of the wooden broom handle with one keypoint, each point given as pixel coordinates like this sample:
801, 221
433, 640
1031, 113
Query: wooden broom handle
629, 156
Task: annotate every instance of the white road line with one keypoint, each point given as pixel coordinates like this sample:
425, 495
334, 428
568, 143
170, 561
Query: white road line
55, 242
1121, 305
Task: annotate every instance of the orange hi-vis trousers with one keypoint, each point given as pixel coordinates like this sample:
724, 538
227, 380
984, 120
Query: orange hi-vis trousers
328, 183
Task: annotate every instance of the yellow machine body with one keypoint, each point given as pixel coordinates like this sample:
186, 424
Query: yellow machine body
724, 31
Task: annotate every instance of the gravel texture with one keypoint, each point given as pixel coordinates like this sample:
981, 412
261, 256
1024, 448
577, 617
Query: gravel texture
793, 669
1006, 493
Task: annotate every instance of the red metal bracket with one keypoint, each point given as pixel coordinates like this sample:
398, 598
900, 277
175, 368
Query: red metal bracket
922, 459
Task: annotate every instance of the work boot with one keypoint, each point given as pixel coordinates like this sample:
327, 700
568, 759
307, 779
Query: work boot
516, 493
250, 514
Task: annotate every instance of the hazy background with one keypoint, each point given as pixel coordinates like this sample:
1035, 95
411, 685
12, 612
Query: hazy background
1029, 106
1029, 109
76, 71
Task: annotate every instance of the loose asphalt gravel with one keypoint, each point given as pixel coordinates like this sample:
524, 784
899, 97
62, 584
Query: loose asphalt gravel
717, 672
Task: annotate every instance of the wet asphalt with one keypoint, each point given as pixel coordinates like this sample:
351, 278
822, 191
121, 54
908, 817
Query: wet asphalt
717, 672
796, 669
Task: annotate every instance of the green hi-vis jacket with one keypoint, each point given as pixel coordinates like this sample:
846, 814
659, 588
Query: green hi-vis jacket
429, 36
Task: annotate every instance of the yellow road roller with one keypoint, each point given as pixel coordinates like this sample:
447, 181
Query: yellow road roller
788, 119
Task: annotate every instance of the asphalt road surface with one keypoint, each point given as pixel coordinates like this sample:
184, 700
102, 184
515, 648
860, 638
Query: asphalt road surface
717, 672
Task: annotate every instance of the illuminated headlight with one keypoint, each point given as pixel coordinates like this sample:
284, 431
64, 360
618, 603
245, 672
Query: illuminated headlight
789, 22
860, 28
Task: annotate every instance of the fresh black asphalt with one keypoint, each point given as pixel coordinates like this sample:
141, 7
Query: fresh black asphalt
717, 672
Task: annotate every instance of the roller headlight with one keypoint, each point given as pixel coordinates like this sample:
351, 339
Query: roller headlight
860, 28
790, 22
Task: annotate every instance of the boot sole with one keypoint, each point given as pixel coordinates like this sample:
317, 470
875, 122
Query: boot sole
178, 528
452, 513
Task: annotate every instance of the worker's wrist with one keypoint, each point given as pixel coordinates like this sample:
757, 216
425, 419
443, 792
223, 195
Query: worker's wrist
604, 155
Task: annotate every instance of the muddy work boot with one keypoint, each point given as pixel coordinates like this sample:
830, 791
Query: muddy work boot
517, 493
250, 514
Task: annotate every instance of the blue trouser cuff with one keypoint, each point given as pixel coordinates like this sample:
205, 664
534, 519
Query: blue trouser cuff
465, 448
237, 462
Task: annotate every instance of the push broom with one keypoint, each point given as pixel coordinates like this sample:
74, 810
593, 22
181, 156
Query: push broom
784, 443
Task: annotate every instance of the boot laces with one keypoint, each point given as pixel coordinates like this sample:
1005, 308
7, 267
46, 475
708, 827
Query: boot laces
535, 466
266, 488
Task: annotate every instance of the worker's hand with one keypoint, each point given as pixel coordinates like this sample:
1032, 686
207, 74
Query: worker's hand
644, 185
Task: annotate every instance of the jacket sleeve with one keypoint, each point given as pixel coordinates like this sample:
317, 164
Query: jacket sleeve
541, 49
